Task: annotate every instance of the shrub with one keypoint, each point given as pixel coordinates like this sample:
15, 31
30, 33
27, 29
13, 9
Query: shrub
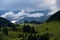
27, 28
5, 31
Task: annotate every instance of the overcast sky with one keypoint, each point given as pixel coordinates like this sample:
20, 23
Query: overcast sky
29, 4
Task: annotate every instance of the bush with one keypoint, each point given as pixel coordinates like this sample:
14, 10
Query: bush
27, 28
14, 27
1, 37
20, 35
5, 31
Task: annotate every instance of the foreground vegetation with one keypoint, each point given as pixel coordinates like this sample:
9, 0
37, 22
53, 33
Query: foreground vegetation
44, 31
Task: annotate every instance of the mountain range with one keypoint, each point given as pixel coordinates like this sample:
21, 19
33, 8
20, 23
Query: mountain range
27, 15
55, 17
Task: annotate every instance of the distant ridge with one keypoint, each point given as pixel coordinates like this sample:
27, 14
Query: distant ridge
4, 22
55, 17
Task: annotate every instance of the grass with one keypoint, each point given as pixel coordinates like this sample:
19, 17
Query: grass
53, 28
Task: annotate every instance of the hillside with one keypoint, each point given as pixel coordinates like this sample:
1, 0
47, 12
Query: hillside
55, 17
4, 22
52, 27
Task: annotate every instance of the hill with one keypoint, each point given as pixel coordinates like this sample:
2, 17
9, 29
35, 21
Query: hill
52, 27
4, 22
55, 17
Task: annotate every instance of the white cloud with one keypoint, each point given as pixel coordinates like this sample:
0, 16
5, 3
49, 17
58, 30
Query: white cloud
13, 21
20, 15
53, 10
35, 15
7, 14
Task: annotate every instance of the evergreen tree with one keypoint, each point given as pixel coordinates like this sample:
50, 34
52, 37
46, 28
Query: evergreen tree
5, 31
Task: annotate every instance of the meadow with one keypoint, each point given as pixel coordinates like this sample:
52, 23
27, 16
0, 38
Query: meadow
51, 28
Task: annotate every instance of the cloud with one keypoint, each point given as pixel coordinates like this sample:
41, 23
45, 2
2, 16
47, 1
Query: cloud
35, 15
13, 21
7, 14
30, 5
53, 10
27, 4
20, 15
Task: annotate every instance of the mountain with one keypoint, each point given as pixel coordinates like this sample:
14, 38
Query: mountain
30, 19
4, 22
37, 19
18, 15
53, 24
55, 17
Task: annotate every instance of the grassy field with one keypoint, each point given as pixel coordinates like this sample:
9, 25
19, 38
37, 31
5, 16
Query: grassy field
51, 28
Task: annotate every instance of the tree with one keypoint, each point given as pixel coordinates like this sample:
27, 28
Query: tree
26, 28
5, 31
33, 30
14, 27
44, 37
